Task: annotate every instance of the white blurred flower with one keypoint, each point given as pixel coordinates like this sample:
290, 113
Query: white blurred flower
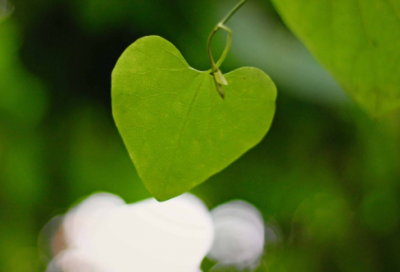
238, 235
106, 235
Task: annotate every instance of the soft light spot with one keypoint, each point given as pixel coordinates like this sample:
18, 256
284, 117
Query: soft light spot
239, 234
5, 9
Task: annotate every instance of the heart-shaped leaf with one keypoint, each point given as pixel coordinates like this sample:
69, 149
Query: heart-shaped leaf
177, 129
357, 41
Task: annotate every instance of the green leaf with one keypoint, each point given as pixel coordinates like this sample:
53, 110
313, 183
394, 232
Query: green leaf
358, 41
177, 129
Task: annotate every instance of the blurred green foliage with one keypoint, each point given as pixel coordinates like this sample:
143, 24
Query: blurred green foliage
357, 41
326, 173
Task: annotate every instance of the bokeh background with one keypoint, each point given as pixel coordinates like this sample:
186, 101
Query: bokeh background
326, 175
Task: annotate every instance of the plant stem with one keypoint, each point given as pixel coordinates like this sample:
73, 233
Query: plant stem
236, 8
215, 66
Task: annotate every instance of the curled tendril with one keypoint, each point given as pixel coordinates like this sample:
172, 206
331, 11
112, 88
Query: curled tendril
218, 76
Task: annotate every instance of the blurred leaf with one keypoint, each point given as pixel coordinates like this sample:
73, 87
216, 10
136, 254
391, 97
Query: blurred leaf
177, 129
358, 41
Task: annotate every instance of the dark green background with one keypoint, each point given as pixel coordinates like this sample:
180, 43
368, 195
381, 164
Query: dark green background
326, 174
